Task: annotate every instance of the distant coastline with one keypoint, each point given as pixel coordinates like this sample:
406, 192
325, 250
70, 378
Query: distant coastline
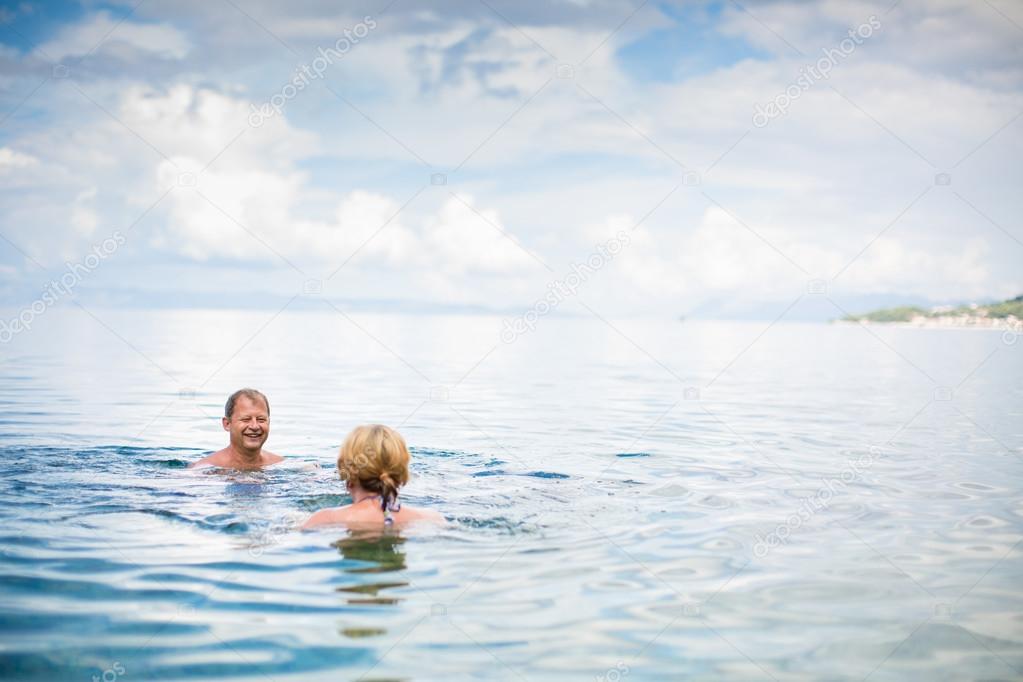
1006, 314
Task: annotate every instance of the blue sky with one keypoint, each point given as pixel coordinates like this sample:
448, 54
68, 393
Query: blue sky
690, 44
551, 127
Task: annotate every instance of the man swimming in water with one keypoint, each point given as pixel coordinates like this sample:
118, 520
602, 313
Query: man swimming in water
247, 419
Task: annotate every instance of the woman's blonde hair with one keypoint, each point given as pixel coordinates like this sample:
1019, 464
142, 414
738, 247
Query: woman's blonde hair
376, 456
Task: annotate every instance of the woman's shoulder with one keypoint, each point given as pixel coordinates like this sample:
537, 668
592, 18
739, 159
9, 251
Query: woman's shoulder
421, 514
327, 517
350, 516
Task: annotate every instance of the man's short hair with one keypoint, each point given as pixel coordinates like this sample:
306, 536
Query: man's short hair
250, 393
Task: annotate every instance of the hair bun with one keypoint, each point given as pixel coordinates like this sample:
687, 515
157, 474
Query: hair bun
377, 458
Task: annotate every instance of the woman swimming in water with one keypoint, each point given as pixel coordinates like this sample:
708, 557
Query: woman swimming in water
373, 463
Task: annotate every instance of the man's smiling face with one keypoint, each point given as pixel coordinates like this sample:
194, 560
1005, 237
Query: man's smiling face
249, 424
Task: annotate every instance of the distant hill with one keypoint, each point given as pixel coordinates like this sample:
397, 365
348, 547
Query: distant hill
1003, 314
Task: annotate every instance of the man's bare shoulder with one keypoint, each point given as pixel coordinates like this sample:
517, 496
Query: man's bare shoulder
271, 458
219, 458
224, 458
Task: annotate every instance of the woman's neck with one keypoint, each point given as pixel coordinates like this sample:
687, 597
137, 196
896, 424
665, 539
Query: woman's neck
360, 494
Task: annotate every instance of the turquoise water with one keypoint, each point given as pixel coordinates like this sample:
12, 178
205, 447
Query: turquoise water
628, 501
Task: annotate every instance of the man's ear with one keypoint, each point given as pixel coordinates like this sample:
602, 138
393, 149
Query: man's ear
226, 423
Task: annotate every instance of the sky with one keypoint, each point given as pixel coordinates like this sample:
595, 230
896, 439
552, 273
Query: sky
707, 159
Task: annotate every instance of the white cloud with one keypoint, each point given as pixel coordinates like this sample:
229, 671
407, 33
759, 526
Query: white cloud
720, 257
958, 37
121, 39
243, 207
893, 264
11, 159
717, 255
198, 126
463, 238
251, 216
84, 218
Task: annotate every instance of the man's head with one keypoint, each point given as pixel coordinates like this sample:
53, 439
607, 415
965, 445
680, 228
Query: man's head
247, 419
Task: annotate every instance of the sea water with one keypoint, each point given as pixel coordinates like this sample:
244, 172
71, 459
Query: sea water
628, 499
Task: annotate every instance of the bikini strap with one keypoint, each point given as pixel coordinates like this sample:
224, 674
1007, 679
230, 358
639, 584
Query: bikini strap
389, 507
386, 507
